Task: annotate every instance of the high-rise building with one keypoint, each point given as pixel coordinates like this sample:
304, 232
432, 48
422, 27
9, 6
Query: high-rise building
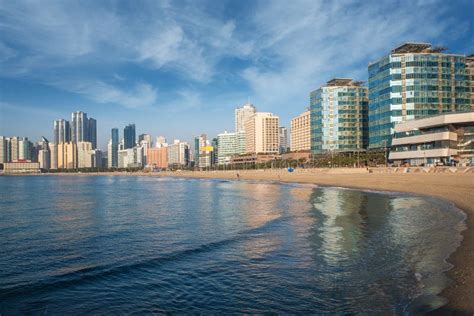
145, 138
79, 127
92, 133
44, 159
283, 135
113, 150
67, 155
178, 154
201, 156
261, 133
13, 148
129, 136
158, 157
4, 149
228, 145
53, 148
242, 114
61, 132
24, 149
84, 155
214, 153
300, 133
414, 81
339, 116
470, 70
160, 141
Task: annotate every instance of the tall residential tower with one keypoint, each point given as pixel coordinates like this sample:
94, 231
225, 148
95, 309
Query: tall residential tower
414, 81
339, 116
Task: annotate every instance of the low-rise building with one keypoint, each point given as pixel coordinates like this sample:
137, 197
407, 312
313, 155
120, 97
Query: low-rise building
442, 139
21, 167
252, 158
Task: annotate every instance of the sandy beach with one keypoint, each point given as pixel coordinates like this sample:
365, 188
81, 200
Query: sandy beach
457, 188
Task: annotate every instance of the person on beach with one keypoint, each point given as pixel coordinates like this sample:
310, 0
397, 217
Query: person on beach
238, 176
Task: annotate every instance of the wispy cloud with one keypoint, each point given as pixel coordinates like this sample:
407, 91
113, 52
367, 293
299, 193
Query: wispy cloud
309, 43
139, 96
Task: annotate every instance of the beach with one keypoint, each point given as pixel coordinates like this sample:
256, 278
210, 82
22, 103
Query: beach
457, 188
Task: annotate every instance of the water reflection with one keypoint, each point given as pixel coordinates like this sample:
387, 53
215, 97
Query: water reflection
342, 218
203, 246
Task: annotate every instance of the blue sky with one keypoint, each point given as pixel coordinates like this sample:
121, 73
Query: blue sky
179, 68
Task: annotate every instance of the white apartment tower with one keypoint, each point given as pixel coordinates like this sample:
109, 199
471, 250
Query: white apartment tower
262, 133
300, 133
242, 115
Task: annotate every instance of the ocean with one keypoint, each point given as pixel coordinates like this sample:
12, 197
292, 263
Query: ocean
126, 244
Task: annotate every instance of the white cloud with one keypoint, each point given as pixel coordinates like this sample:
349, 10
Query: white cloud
139, 96
311, 42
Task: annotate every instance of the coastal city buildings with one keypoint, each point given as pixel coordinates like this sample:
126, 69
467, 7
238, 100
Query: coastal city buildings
202, 151
242, 114
339, 116
92, 132
228, 145
129, 136
178, 154
262, 134
67, 155
470, 71
300, 132
158, 157
442, 139
83, 129
84, 155
131, 157
61, 131
414, 81
145, 138
283, 139
3, 149
113, 150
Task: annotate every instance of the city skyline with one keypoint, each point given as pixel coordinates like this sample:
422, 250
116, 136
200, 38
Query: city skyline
242, 53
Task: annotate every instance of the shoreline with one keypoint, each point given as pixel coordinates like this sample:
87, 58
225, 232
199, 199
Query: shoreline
461, 292
457, 188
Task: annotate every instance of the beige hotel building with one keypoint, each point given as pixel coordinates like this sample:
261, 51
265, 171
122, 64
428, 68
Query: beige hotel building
301, 132
261, 133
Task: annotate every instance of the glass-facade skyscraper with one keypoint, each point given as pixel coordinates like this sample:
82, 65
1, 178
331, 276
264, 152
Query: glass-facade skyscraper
415, 80
61, 132
79, 127
92, 132
339, 116
129, 136
114, 147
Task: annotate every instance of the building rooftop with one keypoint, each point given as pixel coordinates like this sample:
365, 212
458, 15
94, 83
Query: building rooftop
343, 82
413, 47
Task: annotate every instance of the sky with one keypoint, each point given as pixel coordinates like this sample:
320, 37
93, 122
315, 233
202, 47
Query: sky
180, 68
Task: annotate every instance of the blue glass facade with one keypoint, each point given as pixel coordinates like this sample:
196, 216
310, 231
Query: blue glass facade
129, 136
115, 145
406, 86
339, 117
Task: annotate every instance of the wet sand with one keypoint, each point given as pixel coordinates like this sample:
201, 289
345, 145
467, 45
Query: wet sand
454, 187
